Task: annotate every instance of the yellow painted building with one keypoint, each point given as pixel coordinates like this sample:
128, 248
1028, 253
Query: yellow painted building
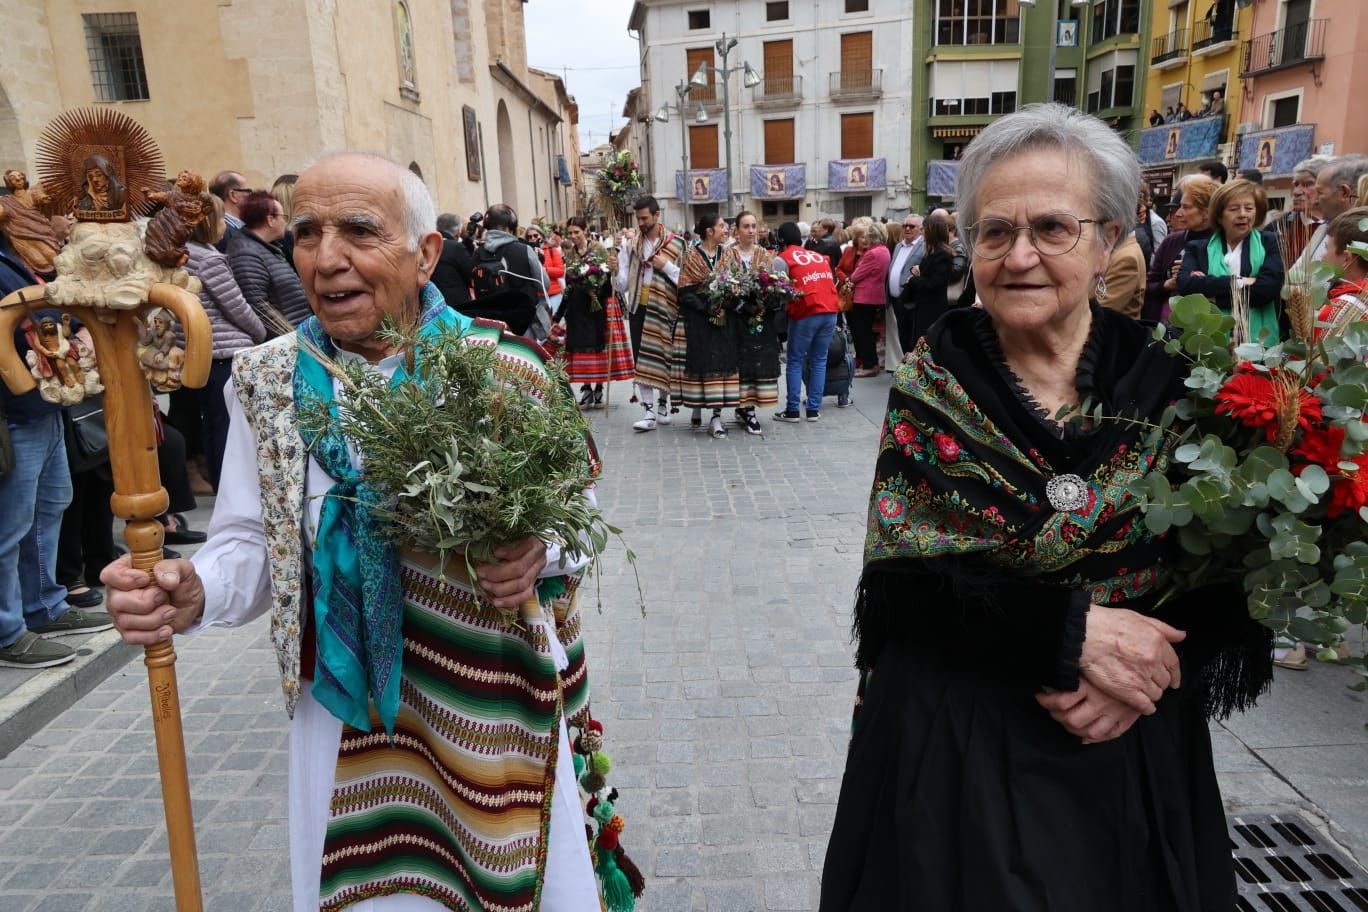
266, 86
1194, 51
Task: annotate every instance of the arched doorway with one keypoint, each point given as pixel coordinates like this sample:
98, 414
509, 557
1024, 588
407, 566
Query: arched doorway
508, 164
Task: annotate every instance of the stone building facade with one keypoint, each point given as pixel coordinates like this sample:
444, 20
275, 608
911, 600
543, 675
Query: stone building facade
266, 86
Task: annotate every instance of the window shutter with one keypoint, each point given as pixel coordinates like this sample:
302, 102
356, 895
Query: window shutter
703, 146
779, 142
778, 67
693, 57
857, 52
857, 135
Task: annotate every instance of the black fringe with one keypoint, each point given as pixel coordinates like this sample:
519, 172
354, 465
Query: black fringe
1233, 678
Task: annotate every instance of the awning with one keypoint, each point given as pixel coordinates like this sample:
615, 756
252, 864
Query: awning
955, 132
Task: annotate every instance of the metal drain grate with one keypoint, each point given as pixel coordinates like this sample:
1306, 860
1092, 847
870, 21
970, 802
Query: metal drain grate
1283, 865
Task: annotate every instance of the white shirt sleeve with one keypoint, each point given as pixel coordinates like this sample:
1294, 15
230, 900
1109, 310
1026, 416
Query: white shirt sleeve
624, 260
553, 551
233, 563
671, 270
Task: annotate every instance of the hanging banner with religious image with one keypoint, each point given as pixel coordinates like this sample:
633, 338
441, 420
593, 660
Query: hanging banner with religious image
1191, 140
701, 185
1276, 152
940, 178
857, 174
778, 181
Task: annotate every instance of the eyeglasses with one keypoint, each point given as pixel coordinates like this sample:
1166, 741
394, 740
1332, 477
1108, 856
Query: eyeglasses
1054, 234
242, 190
907, 227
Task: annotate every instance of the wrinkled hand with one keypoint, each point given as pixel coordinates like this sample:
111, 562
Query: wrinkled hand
147, 608
512, 579
1088, 713
1130, 657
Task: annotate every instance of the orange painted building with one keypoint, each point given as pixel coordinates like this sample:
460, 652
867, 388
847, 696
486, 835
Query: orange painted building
1302, 73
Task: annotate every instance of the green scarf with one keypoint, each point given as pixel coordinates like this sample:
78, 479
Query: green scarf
1263, 318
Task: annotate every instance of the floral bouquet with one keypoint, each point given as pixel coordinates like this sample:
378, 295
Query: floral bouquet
729, 288
588, 270
1270, 477
775, 292
619, 179
468, 450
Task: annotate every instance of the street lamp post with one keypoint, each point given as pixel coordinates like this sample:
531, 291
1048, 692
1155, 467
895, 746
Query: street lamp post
663, 116
749, 78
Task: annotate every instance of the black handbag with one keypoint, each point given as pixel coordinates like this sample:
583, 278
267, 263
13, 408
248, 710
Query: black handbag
87, 440
6, 444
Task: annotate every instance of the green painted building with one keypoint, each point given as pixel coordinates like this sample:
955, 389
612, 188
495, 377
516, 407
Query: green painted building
979, 59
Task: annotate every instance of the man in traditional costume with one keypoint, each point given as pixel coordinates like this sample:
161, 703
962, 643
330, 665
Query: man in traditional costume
29, 231
648, 278
430, 766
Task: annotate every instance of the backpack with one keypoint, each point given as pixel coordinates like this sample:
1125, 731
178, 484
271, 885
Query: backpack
496, 295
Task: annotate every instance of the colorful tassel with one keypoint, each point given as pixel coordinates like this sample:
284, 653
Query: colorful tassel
633, 874
617, 890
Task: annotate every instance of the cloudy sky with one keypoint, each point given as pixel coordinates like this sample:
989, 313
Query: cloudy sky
588, 45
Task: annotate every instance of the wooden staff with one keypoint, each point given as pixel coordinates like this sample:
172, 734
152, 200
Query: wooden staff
139, 499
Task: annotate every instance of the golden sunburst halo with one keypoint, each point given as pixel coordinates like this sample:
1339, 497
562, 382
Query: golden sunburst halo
80, 136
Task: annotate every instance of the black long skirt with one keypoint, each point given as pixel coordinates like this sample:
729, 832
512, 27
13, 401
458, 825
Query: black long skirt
962, 795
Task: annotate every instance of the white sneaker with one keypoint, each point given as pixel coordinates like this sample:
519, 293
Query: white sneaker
663, 411
648, 423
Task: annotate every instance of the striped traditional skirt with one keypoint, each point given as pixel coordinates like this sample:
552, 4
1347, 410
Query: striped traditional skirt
700, 391
455, 805
614, 362
755, 393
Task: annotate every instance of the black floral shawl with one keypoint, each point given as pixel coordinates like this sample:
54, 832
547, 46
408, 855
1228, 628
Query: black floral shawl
964, 546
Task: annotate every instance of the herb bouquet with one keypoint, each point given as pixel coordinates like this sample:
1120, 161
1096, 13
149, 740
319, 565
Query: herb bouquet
470, 451
729, 285
1270, 477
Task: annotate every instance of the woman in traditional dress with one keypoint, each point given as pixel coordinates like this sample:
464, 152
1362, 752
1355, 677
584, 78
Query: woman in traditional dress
753, 327
1348, 299
1237, 248
705, 351
1050, 762
597, 350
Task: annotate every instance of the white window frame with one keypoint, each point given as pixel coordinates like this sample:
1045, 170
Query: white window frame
964, 18
1299, 93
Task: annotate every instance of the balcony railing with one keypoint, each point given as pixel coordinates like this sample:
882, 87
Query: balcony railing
1169, 48
1287, 47
779, 90
1204, 34
856, 83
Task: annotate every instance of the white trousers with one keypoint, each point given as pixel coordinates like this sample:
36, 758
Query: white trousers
316, 734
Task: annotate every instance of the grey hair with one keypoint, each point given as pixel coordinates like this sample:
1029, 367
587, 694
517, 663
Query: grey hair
1312, 166
1049, 125
420, 212
1347, 169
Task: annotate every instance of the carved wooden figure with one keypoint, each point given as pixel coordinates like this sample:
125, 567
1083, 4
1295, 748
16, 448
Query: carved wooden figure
63, 365
185, 205
28, 228
102, 164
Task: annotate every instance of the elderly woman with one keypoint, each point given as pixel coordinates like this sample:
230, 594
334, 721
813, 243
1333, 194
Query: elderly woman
867, 271
268, 281
1237, 251
1057, 758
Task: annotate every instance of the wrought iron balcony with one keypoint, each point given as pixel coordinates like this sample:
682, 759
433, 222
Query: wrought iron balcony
1206, 35
779, 91
1287, 47
857, 84
1170, 49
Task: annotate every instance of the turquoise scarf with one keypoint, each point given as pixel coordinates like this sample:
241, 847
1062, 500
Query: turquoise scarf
1263, 318
358, 599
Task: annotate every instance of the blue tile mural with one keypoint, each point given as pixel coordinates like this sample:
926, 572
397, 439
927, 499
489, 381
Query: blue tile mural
857, 174
1181, 142
778, 181
1276, 152
701, 185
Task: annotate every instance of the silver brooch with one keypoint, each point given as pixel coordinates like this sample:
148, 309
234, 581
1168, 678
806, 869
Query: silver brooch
1067, 493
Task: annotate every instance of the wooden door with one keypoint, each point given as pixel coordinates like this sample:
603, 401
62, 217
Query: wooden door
703, 146
857, 135
692, 58
779, 67
857, 60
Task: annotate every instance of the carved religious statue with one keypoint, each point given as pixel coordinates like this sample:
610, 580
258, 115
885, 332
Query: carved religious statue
185, 205
29, 230
60, 361
161, 358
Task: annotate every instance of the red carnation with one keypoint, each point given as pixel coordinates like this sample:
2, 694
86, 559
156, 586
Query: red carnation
1254, 398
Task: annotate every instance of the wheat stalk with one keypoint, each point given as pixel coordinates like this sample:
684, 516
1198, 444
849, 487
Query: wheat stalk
1287, 392
1239, 310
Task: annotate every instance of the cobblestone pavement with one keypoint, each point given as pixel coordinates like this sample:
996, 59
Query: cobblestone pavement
726, 707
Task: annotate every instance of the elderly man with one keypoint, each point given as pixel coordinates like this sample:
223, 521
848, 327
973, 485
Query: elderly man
459, 811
